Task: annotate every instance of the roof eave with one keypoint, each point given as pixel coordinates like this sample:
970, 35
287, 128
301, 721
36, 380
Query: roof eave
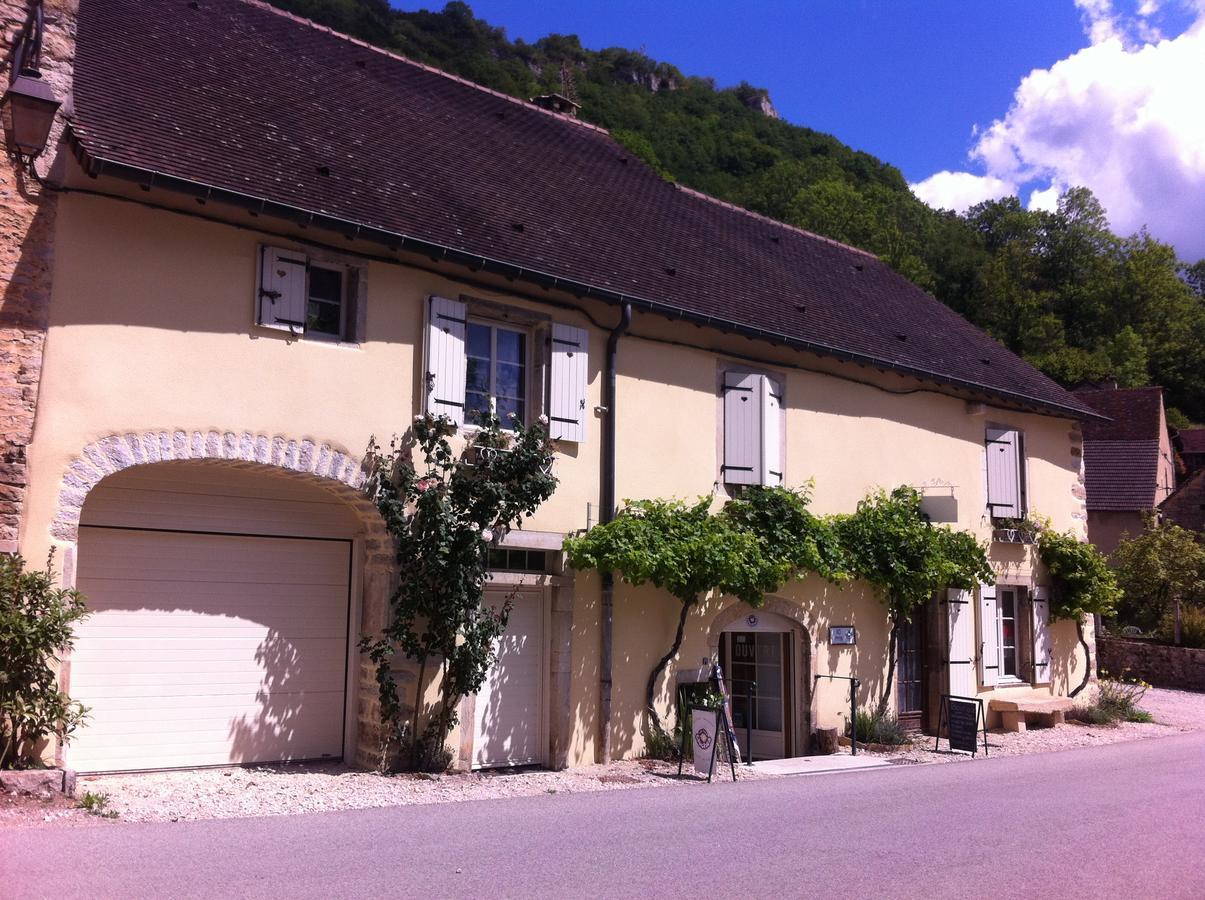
96, 166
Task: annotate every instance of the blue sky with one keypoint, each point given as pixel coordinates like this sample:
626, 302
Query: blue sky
969, 98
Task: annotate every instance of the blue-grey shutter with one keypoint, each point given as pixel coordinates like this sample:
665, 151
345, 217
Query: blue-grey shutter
771, 432
1042, 643
960, 633
567, 380
1003, 473
742, 428
989, 636
282, 289
446, 362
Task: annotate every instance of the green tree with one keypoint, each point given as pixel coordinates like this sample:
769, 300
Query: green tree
444, 516
1157, 571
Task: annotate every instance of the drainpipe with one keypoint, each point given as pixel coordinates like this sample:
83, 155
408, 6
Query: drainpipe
606, 514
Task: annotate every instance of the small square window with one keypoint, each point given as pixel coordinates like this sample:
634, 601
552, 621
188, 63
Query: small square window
326, 311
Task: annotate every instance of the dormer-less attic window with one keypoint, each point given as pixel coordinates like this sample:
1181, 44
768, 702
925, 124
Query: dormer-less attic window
315, 298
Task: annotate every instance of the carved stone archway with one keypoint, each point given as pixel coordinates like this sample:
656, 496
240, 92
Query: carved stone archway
337, 472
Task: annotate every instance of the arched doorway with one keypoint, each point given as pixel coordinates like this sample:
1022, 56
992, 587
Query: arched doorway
226, 600
766, 657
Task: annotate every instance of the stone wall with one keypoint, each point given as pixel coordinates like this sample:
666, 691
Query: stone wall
27, 213
1159, 664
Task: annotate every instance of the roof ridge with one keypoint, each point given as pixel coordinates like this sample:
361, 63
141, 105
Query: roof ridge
770, 220
527, 104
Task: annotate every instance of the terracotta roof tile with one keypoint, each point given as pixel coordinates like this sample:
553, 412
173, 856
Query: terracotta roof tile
1135, 413
241, 97
1121, 474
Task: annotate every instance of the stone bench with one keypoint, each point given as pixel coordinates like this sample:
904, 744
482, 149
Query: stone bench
1050, 710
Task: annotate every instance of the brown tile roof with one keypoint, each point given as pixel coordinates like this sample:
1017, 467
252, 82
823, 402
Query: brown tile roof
298, 120
1121, 474
1192, 440
1186, 507
1135, 413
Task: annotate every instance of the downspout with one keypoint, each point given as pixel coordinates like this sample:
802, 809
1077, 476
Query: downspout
606, 514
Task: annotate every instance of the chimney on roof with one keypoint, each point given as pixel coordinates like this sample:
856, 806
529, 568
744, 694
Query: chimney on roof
558, 103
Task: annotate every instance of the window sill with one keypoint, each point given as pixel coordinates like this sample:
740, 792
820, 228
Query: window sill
259, 330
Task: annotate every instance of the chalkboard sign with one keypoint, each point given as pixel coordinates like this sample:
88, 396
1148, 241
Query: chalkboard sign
961, 717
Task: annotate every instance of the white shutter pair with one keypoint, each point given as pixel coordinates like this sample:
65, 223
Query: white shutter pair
989, 627
282, 297
447, 327
1004, 475
960, 635
752, 430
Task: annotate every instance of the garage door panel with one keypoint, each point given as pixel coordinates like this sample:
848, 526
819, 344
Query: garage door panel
508, 710
202, 650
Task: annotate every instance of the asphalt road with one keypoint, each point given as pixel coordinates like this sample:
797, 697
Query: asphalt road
1125, 820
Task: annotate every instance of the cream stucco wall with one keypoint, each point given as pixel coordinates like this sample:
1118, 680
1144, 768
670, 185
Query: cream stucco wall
151, 328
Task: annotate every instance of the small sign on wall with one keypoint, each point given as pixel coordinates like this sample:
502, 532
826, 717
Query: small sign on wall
842, 634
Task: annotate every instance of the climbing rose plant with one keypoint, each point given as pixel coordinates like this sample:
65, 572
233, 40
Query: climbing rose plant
444, 515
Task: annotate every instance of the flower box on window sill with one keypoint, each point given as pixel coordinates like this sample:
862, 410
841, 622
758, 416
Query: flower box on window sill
1013, 536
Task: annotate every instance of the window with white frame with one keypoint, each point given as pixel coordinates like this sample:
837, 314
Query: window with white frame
495, 373
1014, 635
1006, 631
485, 358
307, 297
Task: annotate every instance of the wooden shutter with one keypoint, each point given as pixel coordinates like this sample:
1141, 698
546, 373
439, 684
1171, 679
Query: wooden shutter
742, 428
446, 364
1042, 643
567, 381
989, 637
282, 289
960, 634
1004, 473
771, 432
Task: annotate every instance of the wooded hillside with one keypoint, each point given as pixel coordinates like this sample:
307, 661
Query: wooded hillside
1060, 289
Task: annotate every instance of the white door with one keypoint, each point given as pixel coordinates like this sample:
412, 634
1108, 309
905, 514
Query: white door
509, 709
209, 649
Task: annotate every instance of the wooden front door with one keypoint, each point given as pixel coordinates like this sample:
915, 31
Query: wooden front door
910, 687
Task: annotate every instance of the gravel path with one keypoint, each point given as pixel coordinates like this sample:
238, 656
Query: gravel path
288, 789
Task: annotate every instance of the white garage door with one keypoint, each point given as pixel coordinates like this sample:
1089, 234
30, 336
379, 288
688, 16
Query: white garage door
209, 649
509, 709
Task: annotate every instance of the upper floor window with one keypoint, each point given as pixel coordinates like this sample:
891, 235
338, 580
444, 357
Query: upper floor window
479, 364
1005, 449
307, 297
752, 429
495, 374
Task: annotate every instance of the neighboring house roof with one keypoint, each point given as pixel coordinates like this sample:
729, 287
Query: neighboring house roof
1120, 475
1121, 456
237, 101
1136, 413
1192, 440
1186, 507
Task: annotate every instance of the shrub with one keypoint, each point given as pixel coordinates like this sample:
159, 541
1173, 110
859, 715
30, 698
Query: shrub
879, 728
36, 623
1117, 701
1192, 626
660, 744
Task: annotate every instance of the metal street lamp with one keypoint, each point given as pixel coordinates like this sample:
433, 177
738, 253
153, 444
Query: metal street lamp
28, 106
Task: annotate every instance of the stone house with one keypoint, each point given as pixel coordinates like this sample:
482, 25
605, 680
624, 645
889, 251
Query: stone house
254, 244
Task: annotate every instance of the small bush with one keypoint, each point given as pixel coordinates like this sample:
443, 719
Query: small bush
97, 805
660, 744
429, 754
1116, 701
875, 729
1192, 626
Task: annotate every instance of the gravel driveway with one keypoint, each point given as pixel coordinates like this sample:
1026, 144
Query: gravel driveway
287, 789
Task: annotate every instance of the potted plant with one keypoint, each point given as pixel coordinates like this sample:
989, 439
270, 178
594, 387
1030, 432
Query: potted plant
1016, 531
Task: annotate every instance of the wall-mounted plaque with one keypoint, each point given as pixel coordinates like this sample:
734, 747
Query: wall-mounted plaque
842, 634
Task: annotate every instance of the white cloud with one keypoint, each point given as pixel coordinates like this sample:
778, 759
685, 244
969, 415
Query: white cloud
1120, 118
1047, 199
961, 190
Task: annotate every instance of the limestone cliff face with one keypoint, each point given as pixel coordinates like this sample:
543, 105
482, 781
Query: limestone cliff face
760, 101
27, 224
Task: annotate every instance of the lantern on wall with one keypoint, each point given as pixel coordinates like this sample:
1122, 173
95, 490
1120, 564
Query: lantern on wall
29, 106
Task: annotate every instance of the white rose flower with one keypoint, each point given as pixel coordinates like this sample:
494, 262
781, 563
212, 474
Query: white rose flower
487, 535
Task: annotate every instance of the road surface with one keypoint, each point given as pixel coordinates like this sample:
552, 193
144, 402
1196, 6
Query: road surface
1125, 820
